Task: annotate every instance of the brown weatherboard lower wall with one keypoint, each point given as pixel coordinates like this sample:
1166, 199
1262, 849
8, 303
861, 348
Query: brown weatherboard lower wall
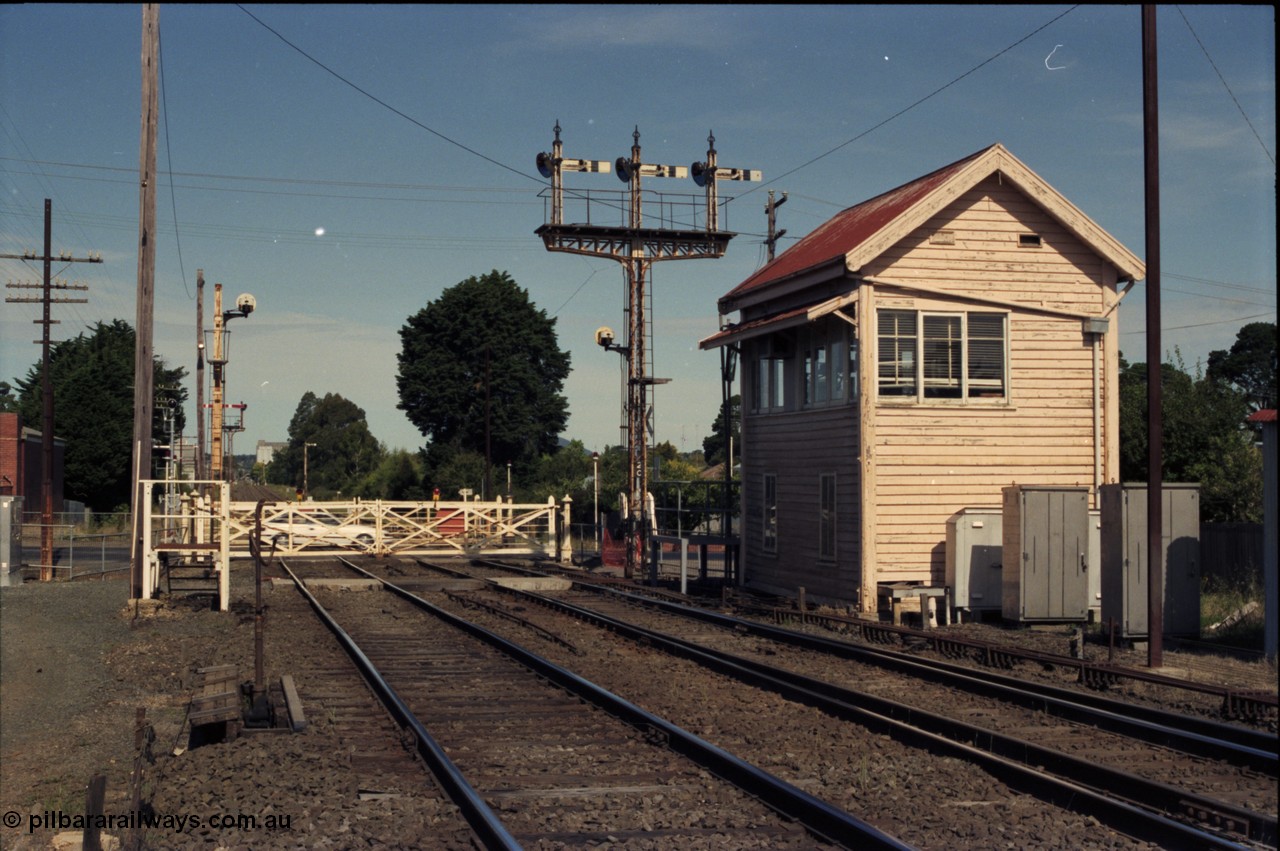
798, 448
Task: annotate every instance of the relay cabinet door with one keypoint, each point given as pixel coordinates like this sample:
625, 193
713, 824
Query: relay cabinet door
1050, 542
974, 556
1125, 565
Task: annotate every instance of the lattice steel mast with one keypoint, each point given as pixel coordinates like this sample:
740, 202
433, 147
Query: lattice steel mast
636, 247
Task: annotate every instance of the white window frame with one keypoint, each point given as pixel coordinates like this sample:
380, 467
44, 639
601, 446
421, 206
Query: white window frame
949, 339
828, 367
770, 394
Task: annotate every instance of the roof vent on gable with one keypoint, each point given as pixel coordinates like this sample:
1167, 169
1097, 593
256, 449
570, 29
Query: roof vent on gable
942, 237
1028, 240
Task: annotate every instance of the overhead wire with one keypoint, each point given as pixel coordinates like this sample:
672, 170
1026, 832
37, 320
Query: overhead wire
1226, 86
506, 167
265, 179
1222, 284
168, 158
912, 106
276, 192
587, 280
62, 214
1204, 324
383, 103
16, 240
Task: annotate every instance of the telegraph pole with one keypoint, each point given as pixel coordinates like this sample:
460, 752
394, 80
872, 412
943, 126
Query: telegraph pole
143, 355
1155, 444
636, 247
771, 210
46, 380
199, 375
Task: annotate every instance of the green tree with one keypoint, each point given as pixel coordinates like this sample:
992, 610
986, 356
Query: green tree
481, 371
8, 400
1204, 439
453, 470
566, 472
92, 376
714, 445
1250, 365
330, 449
397, 477
667, 464
613, 477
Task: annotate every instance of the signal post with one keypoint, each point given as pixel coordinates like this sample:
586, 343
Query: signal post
636, 247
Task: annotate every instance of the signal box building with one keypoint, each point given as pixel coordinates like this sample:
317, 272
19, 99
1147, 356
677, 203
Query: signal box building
913, 356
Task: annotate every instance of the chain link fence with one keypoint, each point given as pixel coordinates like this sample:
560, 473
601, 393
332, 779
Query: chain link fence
85, 544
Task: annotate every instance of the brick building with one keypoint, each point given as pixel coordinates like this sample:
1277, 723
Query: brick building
21, 466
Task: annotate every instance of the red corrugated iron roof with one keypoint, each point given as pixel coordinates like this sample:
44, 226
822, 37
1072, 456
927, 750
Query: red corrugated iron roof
758, 325
1266, 415
857, 235
850, 228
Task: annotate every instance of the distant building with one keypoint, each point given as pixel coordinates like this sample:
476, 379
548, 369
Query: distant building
267, 450
912, 356
22, 464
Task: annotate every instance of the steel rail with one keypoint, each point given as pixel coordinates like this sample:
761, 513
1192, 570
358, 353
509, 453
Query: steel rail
488, 827
1235, 701
1197, 736
818, 816
1144, 812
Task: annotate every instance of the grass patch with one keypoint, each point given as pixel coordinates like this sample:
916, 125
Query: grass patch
1229, 607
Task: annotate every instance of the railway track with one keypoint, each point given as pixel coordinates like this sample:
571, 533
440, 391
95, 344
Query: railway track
1190, 734
1233, 799
367, 741
525, 750
1254, 704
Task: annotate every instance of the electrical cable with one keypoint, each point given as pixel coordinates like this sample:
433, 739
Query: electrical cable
1213, 65
168, 158
383, 103
907, 109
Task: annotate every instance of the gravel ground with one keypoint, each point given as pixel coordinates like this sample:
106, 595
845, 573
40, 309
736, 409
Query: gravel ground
79, 659
64, 713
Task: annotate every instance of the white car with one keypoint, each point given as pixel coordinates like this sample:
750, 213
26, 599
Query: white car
304, 528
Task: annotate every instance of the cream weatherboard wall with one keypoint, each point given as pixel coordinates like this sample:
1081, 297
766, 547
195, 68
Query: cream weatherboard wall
990, 250
979, 260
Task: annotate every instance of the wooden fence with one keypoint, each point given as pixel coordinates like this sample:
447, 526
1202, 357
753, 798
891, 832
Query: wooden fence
1231, 554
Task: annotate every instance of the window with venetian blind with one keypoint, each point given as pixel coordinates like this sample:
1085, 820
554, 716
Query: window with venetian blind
930, 356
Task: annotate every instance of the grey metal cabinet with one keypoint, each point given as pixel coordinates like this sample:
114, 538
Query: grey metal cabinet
1095, 565
10, 540
974, 558
1125, 571
1046, 553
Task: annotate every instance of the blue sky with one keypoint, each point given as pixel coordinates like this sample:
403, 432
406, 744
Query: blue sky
348, 187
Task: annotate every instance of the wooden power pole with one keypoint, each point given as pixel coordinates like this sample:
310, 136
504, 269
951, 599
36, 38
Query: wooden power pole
771, 210
143, 361
1155, 428
46, 380
200, 436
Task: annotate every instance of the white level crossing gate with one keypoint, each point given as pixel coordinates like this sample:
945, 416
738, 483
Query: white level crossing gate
206, 532
404, 528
